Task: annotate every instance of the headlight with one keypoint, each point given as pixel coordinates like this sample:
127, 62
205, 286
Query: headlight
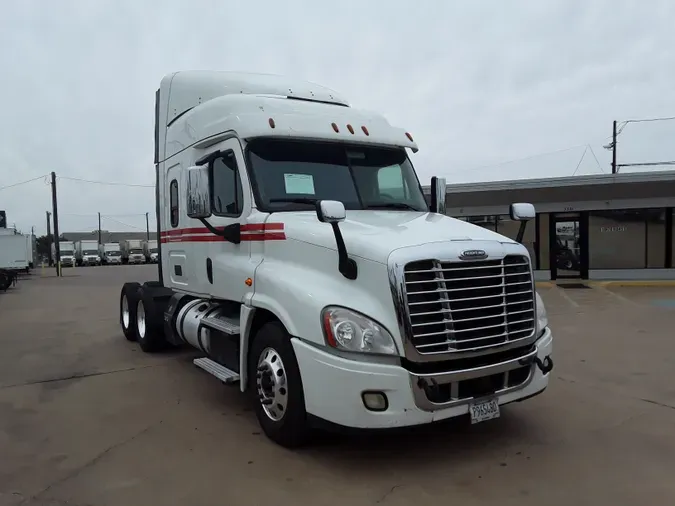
542, 317
349, 331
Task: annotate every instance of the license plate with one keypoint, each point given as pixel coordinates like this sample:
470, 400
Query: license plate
484, 410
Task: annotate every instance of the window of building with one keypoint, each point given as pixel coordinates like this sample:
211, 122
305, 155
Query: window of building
671, 221
544, 245
489, 222
656, 239
227, 197
509, 228
173, 203
626, 239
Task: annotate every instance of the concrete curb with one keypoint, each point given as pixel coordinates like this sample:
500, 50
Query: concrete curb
635, 282
605, 284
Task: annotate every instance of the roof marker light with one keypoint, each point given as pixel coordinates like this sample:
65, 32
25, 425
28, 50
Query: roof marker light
365, 130
271, 122
409, 137
335, 127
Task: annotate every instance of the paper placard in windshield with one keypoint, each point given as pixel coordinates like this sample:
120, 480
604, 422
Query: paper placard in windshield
299, 184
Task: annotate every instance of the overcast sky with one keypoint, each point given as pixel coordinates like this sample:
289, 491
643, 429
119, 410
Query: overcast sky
477, 83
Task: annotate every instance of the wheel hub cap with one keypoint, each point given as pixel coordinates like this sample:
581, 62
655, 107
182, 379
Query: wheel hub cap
140, 320
125, 312
271, 383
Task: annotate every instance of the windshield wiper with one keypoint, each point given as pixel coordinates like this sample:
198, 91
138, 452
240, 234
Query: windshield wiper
391, 205
297, 200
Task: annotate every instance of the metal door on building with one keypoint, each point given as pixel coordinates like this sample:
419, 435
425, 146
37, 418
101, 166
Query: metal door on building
568, 239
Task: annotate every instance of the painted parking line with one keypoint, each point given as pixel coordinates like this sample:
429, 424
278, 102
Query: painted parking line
564, 295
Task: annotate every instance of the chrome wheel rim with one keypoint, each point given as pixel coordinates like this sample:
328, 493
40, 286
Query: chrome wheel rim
125, 312
140, 319
272, 385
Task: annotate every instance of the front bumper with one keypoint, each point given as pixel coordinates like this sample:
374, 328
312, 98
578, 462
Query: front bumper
333, 386
136, 260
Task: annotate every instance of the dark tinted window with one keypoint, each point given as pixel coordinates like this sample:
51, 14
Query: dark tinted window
173, 202
227, 195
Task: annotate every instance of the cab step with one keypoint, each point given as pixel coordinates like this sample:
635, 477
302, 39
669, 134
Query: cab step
224, 326
215, 369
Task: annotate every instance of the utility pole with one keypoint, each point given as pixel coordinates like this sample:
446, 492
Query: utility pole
147, 227
614, 168
55, 211
99, 229
49, 240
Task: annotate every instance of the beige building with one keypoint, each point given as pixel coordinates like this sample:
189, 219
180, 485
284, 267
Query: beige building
605, 226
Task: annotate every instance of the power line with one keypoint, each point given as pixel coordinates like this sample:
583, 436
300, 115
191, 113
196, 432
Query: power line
122, 223
106, 183
596, 159
24, 182
103, 215
645, 120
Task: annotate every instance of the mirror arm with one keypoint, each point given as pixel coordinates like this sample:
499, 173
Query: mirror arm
346, 265
521, 232
231, 233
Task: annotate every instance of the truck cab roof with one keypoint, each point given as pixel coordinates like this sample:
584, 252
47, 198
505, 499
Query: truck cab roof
194, 108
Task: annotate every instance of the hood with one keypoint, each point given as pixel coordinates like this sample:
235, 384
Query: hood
373, 235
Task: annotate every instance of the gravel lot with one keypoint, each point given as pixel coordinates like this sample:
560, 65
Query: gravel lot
87, 419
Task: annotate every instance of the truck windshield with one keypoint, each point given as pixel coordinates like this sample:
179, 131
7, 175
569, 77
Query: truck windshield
90, 252
65, 251
112, 253
153, 250
361, 177
135, 251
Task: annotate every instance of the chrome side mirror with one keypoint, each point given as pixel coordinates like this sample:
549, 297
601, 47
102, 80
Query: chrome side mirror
522, 212
330, 211
198, 194
438, 193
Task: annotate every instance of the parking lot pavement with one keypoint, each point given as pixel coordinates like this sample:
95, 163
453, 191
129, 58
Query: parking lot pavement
88, 419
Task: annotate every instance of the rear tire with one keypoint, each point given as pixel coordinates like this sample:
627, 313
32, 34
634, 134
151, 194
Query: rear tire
128, 302
150, 321
277, 390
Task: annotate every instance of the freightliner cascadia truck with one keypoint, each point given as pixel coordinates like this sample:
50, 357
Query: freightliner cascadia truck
299, 255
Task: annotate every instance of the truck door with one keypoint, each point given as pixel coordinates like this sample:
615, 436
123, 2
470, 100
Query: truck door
176, 252
227, 265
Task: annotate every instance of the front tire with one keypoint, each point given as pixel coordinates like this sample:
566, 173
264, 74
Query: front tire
276, 386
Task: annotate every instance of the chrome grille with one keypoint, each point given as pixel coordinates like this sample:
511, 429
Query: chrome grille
469, 305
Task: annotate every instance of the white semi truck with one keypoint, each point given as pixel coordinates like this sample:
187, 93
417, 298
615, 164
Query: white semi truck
87, 252
66, 252
110, 253
151, 251
132, 251
299, 255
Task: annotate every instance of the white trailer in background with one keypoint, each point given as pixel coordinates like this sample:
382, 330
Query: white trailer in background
67, 253
31, 250
151, 251
13, 252
110, 253
86, 253
132, 251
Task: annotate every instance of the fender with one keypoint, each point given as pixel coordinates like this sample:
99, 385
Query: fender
246, 314
297, 293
